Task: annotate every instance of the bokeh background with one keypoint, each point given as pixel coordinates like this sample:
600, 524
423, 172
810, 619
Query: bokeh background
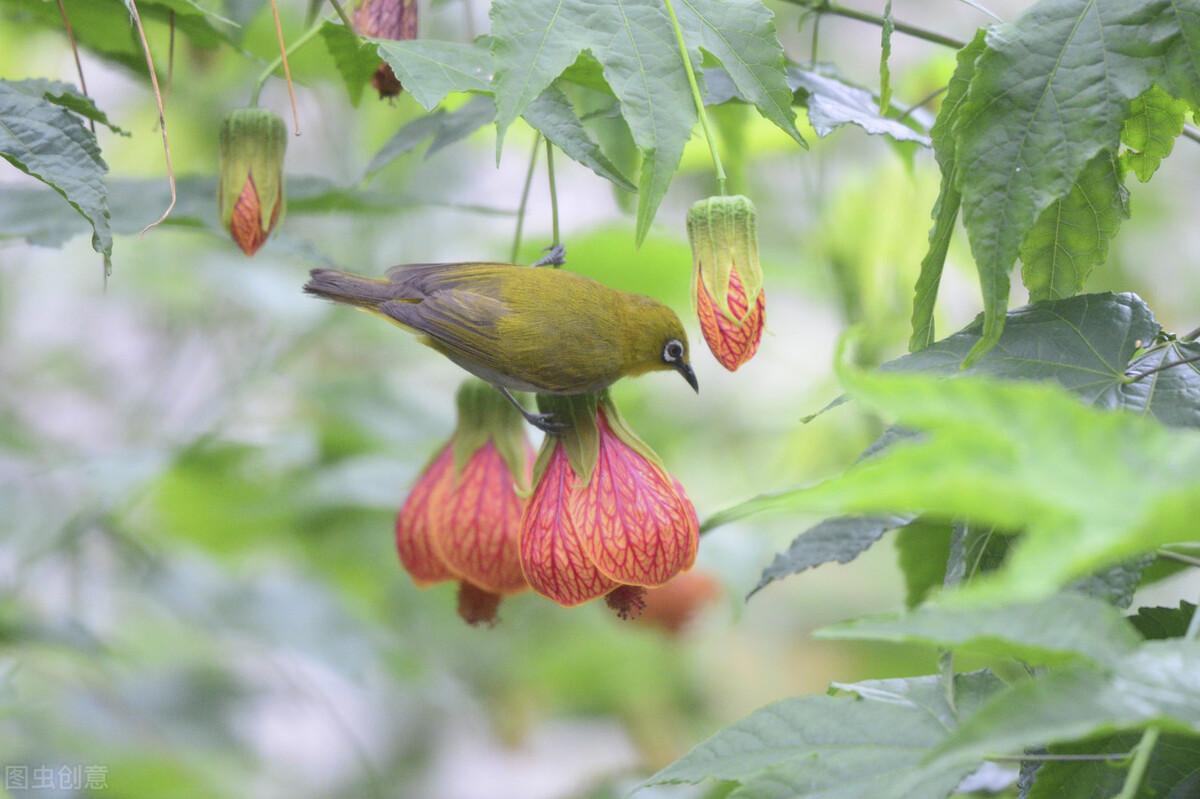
199, 466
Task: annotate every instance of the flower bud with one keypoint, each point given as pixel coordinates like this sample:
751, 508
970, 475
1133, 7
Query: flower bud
727, 283
250, 196
605, 514
461, 520
387, 19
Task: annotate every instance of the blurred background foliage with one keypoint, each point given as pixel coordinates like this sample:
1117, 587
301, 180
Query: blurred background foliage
199, 467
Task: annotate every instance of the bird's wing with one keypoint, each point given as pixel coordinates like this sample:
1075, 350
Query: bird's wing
457, 306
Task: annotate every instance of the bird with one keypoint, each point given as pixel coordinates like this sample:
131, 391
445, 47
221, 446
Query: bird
521, 328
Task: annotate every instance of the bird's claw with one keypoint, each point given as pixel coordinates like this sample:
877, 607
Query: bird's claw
548, 423
555, 256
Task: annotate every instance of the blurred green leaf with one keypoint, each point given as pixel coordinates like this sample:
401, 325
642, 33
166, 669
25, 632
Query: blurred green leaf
1071, 237
1062, 628
923, 549
839, 747
1089, 487
48, 142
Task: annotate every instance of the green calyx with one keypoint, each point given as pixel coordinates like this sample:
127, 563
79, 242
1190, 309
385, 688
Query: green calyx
723, 232
485, 415
581, 440
253, 143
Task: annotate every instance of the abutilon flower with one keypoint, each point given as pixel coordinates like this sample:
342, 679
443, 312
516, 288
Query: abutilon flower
605, 518
250, 194
387, 19
727, 284
461, 520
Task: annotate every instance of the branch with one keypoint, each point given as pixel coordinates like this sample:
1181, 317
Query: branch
1162, 367
828, 7
162, 119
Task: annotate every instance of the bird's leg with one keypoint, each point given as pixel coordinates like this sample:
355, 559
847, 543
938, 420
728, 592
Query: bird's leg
546, 422
556, 256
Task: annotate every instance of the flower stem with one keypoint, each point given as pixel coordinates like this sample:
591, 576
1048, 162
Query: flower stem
828, 7
274, 65
553, 193
699, 101
516, 245
341, 12
1141, 760
62, 11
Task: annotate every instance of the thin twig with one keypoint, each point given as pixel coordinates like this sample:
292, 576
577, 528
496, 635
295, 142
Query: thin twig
62, 11
274, 65
1108, 756
1178, 556
287, 70
162, 118
516, 245
1162, 367
341, 12
827, 7
814, 48
933, 95
979, 7
1190, 336
1137, 769
1191, 133
553, 193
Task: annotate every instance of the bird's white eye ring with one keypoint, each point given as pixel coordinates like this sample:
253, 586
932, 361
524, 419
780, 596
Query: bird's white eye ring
673, 351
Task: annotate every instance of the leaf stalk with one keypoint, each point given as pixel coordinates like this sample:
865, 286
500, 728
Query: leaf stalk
828, 7
696, 98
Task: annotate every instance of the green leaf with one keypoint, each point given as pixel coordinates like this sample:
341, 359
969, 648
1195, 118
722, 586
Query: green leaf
1160, 623
741, 35
1157, 684
838, 747
430, 69
44, 140
1060, 629
67, 96
1071, 237
536, 40
1051, 93
408, 138
462, 122
552, 114
885, 54
1173, 771
974, 549
1171, 395
1115, 585
1089, 487
832, 102
356, 60
945, 209
923, 549
1155, 120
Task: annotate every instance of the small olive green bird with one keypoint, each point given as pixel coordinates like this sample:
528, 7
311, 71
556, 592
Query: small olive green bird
521, 328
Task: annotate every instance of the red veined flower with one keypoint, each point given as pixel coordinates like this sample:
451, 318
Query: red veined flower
727, 284
250, 196
605, 517
461, 520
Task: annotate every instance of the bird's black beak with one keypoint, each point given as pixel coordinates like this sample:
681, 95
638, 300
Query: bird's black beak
685, 369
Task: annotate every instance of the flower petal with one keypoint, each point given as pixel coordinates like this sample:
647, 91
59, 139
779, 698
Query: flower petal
479, 524
732, 340
552, 555
416, 520
634, 524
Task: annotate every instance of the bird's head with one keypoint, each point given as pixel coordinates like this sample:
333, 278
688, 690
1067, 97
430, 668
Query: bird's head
659, 342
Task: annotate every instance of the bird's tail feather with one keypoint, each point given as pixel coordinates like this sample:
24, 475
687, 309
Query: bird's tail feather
343, 287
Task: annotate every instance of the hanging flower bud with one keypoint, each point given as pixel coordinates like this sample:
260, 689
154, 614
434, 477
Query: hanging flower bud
387, 19
462, 519
250, 196
605, 517
727, 283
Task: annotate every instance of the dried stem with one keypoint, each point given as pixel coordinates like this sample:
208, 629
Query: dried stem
287, 70
62, 12
162, 119
170, 51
